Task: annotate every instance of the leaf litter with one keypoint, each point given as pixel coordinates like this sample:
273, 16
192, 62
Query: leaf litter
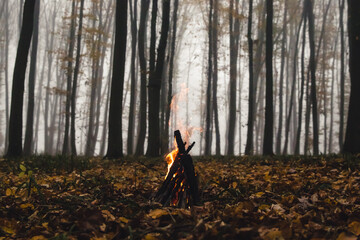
241, 199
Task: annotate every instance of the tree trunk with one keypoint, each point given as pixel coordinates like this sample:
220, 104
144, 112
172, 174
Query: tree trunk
292, 96
143, 96
333, 69
65, 149
310, 15
269, 112
74, 85
234, 49
352, 136
298, 133
171, 74
215, 77
208, 130
47, 95
155, 86
342, 75
283, 46
29, 132
115, 144
307, 115
15, 123
131, 125
7, 43
249, 150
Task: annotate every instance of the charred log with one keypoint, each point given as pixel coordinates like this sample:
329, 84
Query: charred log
180, 187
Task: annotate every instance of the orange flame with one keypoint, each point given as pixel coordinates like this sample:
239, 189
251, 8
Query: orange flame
170, 158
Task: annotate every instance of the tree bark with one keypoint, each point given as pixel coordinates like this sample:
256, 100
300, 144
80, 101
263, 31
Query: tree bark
234, 49
131, 123
7, 43
352, 136
49, 73
208, 130
15, 123
29, 132
342, 74
249, 149
292, 96
75, 82
215, 77
115, 143
155, 86
281, 83
269, 112
142, 60
298, 133
65, 149
310, 15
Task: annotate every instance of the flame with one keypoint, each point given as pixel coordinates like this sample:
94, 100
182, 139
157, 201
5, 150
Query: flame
170, 158
179, 122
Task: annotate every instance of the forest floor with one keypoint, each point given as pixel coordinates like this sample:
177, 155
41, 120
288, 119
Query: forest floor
241, 198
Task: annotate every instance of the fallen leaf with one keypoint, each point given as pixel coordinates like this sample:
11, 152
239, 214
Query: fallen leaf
22, 167
40, 237
8, 192
124, 220
345, 236
27, 205
354, 227
157, 213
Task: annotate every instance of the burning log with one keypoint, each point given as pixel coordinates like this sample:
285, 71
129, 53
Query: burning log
180, 187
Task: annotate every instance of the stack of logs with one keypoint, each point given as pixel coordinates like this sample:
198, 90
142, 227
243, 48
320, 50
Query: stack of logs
180, 188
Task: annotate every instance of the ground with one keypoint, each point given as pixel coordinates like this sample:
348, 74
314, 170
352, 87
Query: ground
241, 198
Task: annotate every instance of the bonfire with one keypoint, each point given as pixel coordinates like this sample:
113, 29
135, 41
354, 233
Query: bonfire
180, 188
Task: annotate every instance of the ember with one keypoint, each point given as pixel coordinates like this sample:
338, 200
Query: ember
180, 187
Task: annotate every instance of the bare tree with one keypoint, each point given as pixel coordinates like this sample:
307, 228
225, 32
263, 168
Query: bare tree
115, 142
269, 112
249, 149
15, 123
32, 77
155, 85
352, 136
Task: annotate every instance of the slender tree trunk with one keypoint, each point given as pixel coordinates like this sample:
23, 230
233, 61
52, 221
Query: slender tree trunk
269, 112
249, 150
342, 74
234, 49
215, 77
352, 136
282, 65
155, 85
75, 82
208, 129
38, 104
20, 14
7, 43
49, 73
143, 96
171, 73
298, 133
307, 114
131, 124
313, 78
65, 149
15, 123
292, 96
102, 46
29, 132
333, 69
115, 143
